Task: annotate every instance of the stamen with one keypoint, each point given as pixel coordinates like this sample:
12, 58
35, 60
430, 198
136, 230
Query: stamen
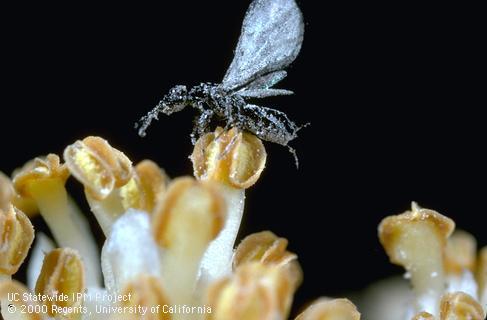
145, 189
190, 216
330, 309
145, 292
44, 181
9, 196
424, 316
265, 247
119, 165
235, 160
16, 236
254, 292
460, 260
416, 240
111, 184
460, 306
62, 273
460, 253
153, 181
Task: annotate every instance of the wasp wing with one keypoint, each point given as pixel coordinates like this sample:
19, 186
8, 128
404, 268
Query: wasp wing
266, 81
271, 37
260, 87
264, 93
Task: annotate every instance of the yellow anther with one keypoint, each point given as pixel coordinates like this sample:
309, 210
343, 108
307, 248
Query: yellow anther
232, 157
330, 309
189, 208
394, 229
16, 236
460, 306
145, 292
254, 292
265, 247
48, 170
8, 196
98, 166
62, 273
120, 165
423, 316
460, 253
132, 195
153, 181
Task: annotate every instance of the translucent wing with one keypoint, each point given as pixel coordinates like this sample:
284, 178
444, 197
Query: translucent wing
267, 80
264, 93
272, 33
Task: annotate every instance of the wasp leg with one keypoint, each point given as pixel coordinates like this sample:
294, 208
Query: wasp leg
293, 152
201, 124
228, 147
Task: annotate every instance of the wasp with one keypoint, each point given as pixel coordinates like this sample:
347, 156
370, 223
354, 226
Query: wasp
270, 40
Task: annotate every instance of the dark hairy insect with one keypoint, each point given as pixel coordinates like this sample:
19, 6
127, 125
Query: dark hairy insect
271, 37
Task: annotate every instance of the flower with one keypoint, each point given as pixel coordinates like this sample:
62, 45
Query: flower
170, 253
168, 243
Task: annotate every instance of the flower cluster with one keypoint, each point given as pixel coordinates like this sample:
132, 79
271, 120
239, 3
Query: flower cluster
168, 242
170, 253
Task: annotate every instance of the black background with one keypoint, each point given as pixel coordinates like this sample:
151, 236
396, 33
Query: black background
391, 92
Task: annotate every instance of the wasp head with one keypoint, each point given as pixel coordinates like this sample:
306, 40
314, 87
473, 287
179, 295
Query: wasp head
175, 100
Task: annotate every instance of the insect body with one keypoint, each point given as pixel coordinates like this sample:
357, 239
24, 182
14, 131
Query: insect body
271, 37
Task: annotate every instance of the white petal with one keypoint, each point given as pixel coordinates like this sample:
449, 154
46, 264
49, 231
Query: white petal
464, 283
43, 244
387, 299
217, 260
129, 250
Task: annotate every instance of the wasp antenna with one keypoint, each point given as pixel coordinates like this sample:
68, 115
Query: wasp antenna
302, 126
145, 122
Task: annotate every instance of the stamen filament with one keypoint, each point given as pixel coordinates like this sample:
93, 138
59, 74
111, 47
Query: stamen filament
53, 203
216, 261
190, 216
235, 160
